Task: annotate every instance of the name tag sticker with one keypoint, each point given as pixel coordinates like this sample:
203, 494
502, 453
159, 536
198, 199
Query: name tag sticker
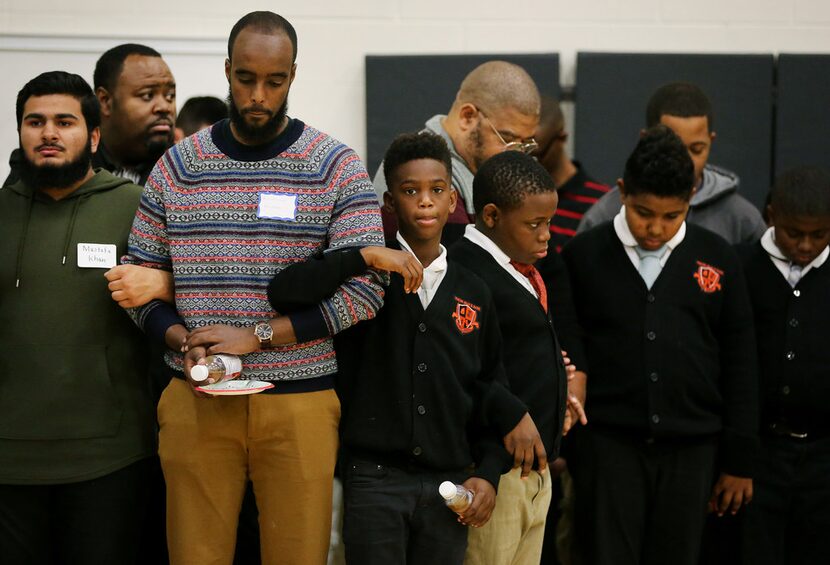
96, 255
277, 206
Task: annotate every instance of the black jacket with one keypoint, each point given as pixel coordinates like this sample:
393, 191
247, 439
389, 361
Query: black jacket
532, 357
675, 362
418, 387
792, 330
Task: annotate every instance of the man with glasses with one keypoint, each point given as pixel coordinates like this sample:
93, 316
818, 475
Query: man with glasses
496, 109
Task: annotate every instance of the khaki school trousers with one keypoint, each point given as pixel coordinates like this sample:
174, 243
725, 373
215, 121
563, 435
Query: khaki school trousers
516, 530
209, 447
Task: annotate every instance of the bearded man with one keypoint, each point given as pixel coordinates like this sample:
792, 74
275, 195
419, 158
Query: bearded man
77, 428
224, 211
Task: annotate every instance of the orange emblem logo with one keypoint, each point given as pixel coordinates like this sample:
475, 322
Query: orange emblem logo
465, 316
708, 277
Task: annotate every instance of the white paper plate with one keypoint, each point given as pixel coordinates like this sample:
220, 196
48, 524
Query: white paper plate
236, 386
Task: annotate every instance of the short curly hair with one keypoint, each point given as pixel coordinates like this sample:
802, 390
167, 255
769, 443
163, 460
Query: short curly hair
506, 178
413, 146
660, 165
802, 191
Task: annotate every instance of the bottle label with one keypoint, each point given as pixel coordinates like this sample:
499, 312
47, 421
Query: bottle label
233, 366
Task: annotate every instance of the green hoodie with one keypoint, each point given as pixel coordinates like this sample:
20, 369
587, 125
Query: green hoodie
74, 394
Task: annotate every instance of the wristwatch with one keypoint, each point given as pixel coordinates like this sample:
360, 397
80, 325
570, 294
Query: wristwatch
264, 332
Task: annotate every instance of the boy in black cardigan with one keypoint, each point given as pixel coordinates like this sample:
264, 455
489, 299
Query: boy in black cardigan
673, 392
515, 199
422, 385
789, 285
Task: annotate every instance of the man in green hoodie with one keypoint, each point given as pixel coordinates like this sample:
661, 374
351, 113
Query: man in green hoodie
76, 419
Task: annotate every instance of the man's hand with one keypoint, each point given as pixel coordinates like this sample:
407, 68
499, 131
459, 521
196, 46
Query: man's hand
730, 493
402, 262
221, 338
524, 442
484, 500
193, 357
133, 286
575, 410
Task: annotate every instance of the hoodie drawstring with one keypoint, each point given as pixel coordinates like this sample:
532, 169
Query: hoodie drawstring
19, 264
71, 226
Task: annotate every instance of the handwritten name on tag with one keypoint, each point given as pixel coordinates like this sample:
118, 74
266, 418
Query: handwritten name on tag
96, 255
277, 206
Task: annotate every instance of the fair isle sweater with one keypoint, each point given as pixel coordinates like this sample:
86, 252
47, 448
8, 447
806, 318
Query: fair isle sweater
201, 217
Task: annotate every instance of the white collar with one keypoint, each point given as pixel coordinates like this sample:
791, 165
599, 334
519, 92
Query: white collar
769, 245
438, 265
476, 236
627, 238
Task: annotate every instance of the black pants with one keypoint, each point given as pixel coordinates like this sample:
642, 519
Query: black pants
639, 502
788, 521
97, 521
395, 517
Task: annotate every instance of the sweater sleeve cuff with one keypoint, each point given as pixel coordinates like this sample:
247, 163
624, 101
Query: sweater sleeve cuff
737, 454
309, 325
353, 262
504, 410
159, 319
494, 463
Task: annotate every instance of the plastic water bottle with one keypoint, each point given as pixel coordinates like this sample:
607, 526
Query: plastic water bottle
217, 368
457, 497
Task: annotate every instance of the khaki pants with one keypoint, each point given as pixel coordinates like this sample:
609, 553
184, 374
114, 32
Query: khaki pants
516, 530
285, 443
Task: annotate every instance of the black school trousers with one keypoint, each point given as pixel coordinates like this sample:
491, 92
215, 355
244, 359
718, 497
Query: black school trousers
788, 521
393, 515
639, 501
90, 522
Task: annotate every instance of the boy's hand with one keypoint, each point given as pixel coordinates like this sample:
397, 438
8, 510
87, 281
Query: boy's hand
575, 411
484, 500
730, 493
133, 286
524, 442
570, 368
402, 262
221, 338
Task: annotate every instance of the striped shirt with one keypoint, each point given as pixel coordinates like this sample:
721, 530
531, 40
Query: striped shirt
575, 197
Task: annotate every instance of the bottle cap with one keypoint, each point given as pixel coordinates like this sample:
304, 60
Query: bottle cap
447, 490
199, 373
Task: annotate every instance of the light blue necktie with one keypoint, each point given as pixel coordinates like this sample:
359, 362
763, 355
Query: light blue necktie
795, 274
650, 264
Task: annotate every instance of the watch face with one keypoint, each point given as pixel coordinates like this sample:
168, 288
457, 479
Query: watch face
263, 331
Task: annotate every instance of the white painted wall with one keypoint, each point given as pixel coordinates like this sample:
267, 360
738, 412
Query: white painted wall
334, 37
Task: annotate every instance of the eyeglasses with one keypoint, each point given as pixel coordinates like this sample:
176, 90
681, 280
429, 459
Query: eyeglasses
526, 147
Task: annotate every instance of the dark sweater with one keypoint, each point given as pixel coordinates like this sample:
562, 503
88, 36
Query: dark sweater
532, 357
792, 332
674, 363
417, 391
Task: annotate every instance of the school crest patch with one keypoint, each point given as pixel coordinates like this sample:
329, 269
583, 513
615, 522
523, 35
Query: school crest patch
465, 315
708, 277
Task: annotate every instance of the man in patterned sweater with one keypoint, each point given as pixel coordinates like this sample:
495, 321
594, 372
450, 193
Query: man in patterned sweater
225, 210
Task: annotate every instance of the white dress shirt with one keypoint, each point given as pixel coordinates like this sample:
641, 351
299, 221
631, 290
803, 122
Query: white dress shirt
780, 260
627, 239
433, 275
471, 233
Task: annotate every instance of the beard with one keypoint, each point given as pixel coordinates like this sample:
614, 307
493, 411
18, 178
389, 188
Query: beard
157, 146
40, 177
476, 146
256, 134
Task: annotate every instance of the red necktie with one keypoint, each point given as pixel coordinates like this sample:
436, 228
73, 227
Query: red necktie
532, 274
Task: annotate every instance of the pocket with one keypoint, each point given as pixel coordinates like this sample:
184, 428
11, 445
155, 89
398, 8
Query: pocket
364, 472
57, 392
